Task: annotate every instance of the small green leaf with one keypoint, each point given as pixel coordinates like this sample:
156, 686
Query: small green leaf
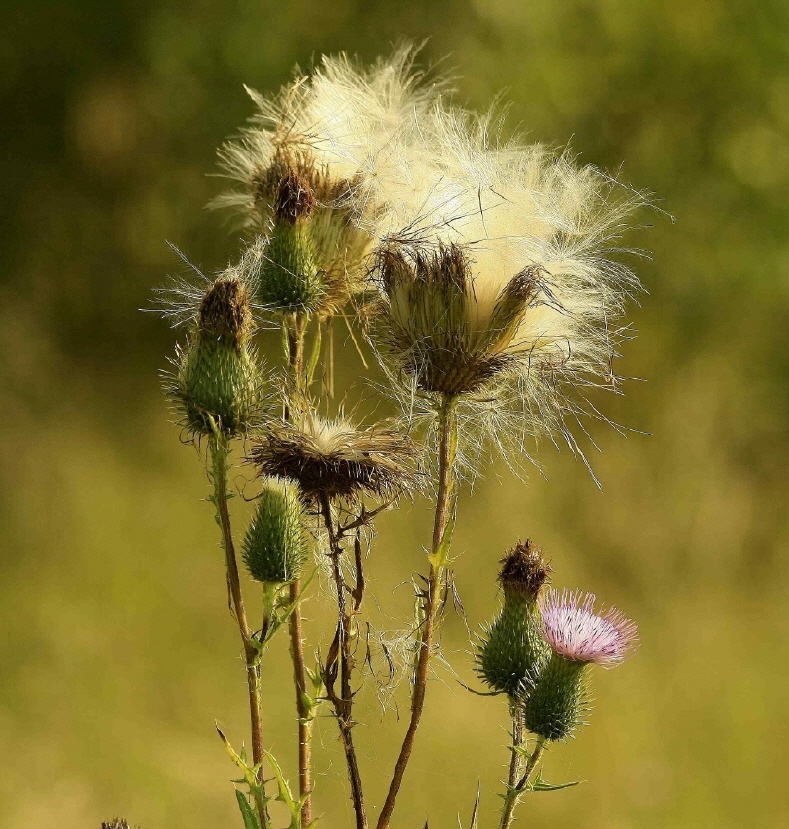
316, 352
539, 785
438, 558
284, 794
251, 819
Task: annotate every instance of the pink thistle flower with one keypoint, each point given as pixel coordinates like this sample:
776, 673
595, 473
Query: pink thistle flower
575, 631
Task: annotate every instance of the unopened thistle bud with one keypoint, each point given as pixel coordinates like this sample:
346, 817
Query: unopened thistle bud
436, 325
218, 383
578, 637
117, 823
513, 648
290, 279
275, 546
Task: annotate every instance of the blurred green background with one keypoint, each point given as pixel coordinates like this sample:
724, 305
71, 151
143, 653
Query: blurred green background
116, 650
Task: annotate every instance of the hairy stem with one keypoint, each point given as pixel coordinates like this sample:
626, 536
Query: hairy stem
296, 351
444, 506
296, 363
219, 453
341, 649
516, 757
305, 726
514, 792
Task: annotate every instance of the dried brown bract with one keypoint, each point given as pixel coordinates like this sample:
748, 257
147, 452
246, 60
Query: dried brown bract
524, 570
225, 311
433, 322
337, 458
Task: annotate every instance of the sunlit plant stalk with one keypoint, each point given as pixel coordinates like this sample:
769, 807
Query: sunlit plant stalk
295, 334
340, 651
517, 785
443, 523
219, 450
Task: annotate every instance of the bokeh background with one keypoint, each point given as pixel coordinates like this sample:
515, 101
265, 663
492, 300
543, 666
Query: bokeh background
116, 650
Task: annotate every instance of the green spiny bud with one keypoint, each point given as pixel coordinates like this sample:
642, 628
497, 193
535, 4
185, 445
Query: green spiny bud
219, 382
513, 647
117, 823
558, 700
290, 279
275, 547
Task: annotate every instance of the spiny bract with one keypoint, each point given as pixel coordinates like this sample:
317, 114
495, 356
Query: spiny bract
275, 546
512, 649
218, 383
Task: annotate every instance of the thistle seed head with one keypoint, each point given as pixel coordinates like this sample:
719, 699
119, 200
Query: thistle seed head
524, 571
434, 324
542, 313
276, 544
337, 458
333, 130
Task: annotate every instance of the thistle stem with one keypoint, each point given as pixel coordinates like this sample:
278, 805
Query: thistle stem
516, 757
514, 792
305, 726
341, 649
296, 350
219, 453
444, 506
296, 362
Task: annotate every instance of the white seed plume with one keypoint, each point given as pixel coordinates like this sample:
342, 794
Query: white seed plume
512, 209
341, 120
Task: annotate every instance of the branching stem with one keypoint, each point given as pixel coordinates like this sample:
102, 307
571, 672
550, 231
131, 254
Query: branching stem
516, 790
516, 756
341, 649
445, 502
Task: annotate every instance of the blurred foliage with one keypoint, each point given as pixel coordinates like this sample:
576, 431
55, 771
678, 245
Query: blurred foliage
116, 649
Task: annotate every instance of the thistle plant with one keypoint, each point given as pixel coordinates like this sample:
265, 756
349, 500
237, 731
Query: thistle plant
484, 277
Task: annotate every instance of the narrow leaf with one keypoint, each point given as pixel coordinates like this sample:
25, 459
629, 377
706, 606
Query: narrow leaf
539, 785
250, 816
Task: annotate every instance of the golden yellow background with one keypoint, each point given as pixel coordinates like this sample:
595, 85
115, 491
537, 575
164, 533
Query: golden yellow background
116, 649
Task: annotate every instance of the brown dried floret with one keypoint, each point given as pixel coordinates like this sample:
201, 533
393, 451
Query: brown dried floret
225, 311
524, 569
338, 459
295, 199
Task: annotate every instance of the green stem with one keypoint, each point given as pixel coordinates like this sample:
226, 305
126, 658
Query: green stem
514, 793
445, 500
219, 454
518, 729
296, 364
